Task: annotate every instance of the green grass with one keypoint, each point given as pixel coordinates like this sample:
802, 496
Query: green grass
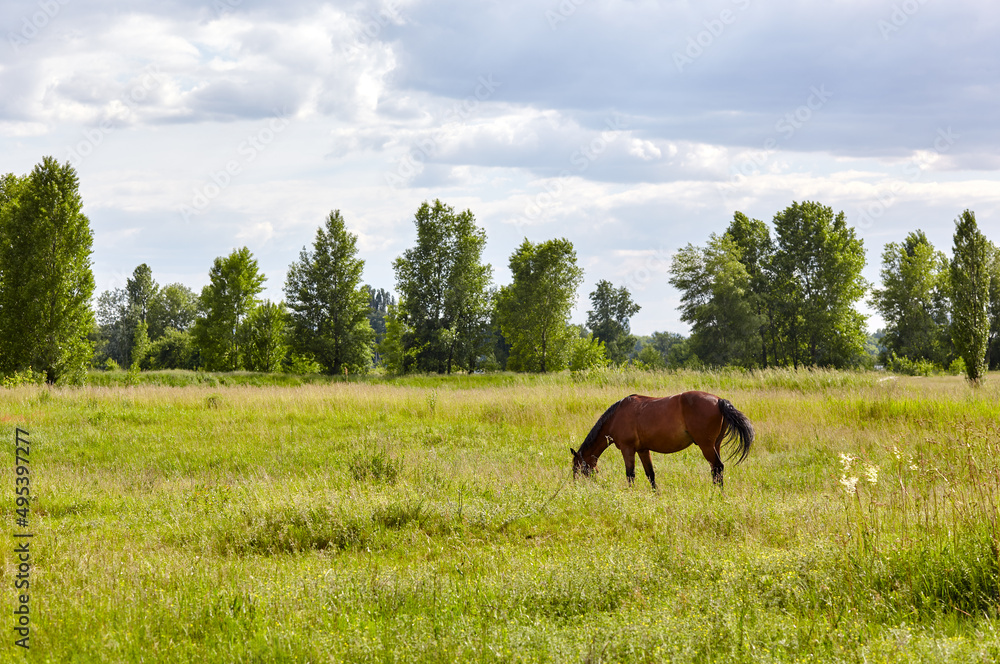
197, 517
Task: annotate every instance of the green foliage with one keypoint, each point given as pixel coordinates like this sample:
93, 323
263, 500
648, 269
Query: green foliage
397, 358
265, 337
586, 353
19, 378
141, 346
375, 466
329, 304
913, 300
444, 290
651, 358
173, 307
970, 282
225, 304
714, 286
609, 320
817, 267
142, 290
301, 364
908, 367
756, 252
957, 367
379, 302
46, 280
533, 311
175, 349
659, 344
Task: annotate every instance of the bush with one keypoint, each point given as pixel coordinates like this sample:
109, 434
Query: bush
908, 367
26, 377
586, 353
174, 350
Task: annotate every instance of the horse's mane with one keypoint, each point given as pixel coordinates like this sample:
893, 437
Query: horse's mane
601, 421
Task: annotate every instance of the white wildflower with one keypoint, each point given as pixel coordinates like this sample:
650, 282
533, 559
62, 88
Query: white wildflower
871, 474
850, 484
846, 460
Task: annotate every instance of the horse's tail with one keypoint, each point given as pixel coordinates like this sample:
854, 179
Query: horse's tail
596, 430
736, 430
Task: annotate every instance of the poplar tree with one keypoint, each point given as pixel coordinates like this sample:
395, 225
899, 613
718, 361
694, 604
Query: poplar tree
970, 282
225, 303
46, 281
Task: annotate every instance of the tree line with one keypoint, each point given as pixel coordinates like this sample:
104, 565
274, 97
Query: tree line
757, 300
756, 296
449, 317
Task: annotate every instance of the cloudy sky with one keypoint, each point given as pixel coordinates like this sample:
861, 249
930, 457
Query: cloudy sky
630, 127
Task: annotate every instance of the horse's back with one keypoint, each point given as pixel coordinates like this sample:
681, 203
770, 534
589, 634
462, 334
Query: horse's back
668, 424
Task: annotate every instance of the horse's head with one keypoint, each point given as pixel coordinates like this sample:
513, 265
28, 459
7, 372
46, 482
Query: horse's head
580, 464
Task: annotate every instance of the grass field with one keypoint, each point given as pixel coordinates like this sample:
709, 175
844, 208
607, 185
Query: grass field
435, 519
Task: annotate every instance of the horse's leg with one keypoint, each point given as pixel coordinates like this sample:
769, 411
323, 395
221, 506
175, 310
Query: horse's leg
628, 453
711, 453
647, 465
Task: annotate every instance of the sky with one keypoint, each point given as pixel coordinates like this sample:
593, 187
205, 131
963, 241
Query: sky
632, 128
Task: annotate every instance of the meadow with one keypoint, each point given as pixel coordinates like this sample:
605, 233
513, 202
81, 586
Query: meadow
189, 517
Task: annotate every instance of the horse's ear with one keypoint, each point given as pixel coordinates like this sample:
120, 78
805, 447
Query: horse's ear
574, 452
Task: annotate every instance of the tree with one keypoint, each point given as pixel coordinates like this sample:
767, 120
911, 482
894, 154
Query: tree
609, 320
970, 282
445, 288
756, 252
141, 290
116, 335
46, 280
174, 350
378, 306
912, 301
265, 337
534, 309
173, 307
396, 357
225, 303
714, 287
379, 302
329, 305
817, 271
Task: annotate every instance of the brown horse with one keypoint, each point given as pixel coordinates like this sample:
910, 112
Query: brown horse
647, 424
